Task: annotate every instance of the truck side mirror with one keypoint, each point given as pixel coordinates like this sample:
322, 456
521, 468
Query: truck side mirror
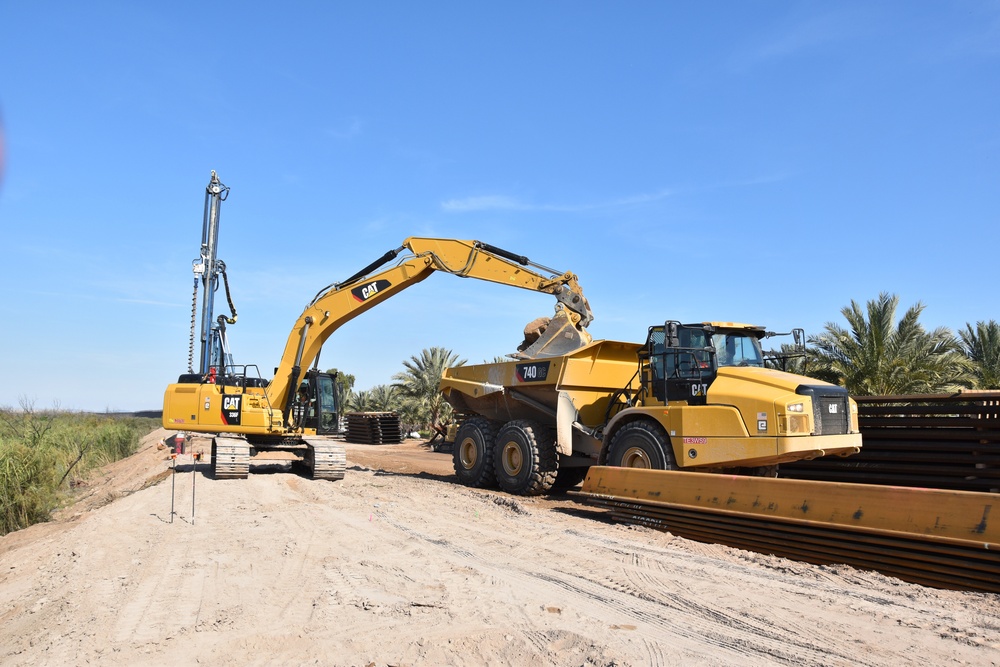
799, 335
671, 333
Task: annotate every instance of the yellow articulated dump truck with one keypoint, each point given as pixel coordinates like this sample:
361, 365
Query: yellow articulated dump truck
703, 397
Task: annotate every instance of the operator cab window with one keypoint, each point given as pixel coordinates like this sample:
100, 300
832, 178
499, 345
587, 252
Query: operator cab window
733, 349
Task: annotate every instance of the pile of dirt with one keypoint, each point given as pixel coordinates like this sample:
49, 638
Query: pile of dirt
398, 565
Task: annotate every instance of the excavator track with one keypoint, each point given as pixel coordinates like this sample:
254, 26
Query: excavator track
325, 458
942, 539
230, 458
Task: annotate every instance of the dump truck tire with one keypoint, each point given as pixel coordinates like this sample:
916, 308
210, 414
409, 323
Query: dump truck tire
525, 460
642, 444
472, 453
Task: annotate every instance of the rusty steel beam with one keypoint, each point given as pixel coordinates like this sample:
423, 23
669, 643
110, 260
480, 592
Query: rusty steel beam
928, 536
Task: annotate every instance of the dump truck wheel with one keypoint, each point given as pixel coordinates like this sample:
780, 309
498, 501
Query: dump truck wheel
642, 444
472, 453
525, 461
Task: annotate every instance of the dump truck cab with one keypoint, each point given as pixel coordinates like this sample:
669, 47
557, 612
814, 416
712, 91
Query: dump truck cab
712, 398
682, 360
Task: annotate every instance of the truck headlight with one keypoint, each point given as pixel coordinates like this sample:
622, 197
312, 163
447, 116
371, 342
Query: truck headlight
795, 419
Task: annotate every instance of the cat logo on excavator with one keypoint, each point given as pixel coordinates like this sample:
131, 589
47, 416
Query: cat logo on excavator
365, 292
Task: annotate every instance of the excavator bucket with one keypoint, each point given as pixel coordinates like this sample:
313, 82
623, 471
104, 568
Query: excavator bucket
558, 337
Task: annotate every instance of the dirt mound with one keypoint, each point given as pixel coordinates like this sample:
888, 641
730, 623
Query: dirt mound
396, 564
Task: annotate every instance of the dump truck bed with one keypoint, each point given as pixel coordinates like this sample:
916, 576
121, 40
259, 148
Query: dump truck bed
586, 377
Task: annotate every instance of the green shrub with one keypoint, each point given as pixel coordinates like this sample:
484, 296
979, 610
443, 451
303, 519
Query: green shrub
43, 454
27, 486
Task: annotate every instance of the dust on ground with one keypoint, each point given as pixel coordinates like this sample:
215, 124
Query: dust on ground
397, 564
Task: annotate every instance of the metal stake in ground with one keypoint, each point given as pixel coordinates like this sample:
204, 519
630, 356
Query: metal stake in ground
173, 484
195, 457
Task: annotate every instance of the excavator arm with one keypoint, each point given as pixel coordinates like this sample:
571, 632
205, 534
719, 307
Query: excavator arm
339, 303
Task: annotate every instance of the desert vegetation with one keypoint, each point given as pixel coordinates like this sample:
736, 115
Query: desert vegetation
45, 453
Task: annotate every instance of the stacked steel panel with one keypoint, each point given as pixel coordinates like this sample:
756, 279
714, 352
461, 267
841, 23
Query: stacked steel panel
931, 537
937, 441
374, 428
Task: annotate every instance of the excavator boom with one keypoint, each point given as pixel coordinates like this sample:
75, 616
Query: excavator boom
341, 302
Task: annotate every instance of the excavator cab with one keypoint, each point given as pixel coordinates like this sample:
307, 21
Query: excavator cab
315, 405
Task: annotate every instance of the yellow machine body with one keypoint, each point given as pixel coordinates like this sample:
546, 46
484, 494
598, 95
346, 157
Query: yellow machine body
206, 408
239, 401
748, 417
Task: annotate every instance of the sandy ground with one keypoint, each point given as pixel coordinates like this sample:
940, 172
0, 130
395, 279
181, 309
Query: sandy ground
398, 565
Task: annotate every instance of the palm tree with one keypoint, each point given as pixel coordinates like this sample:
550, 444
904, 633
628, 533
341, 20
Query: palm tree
385, 398
982, 347
787, 358
361, 401
880, 357
419, 384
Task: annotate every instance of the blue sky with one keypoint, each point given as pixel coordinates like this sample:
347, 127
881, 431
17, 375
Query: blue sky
763, 162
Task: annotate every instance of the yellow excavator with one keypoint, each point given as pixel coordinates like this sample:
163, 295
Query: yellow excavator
296, 411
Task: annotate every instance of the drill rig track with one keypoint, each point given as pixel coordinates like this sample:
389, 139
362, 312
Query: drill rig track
941, 539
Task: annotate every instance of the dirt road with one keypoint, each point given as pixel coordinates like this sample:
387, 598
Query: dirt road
398, 565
